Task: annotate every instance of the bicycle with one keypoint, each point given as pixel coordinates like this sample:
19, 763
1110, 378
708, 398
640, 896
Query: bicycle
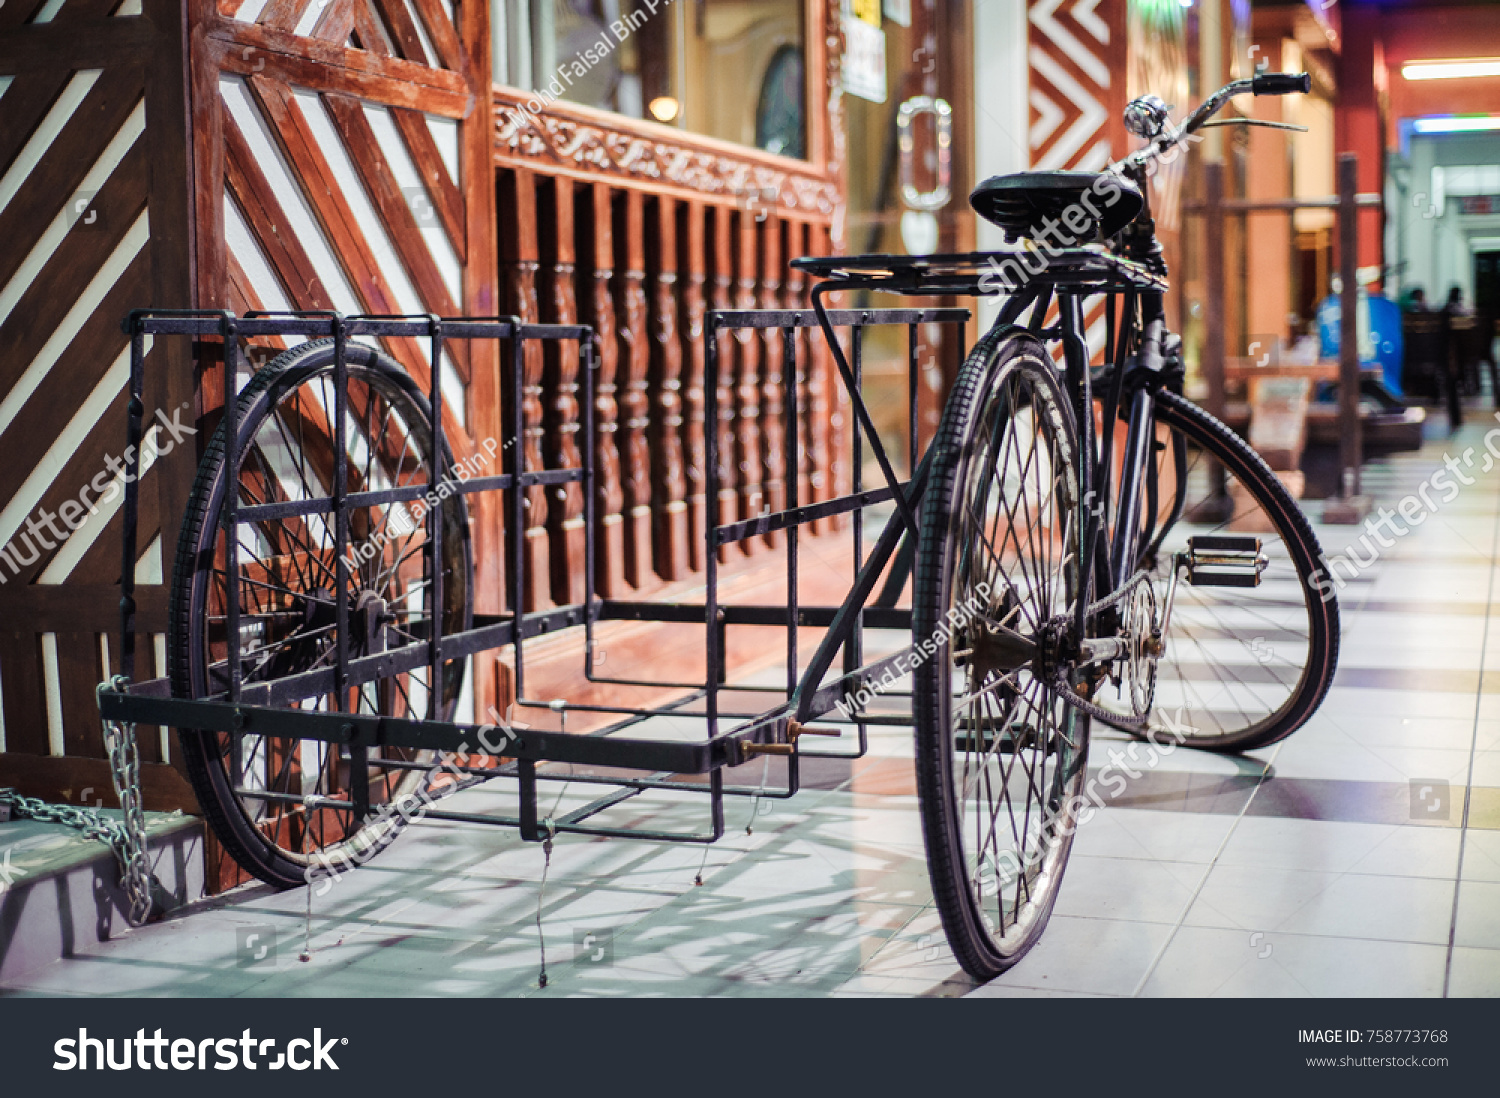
1126, 591
323, 606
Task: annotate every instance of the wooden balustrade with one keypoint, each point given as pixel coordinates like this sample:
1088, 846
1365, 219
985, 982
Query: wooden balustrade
643, 269
639, 230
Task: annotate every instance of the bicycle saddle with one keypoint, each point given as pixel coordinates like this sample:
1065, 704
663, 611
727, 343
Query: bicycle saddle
1021, 204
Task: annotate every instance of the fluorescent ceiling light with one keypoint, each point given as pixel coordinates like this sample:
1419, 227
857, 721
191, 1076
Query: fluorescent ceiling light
1465, 123
1456, 69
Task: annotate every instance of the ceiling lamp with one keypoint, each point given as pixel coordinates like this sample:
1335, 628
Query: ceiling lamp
1457, 123
1455, 69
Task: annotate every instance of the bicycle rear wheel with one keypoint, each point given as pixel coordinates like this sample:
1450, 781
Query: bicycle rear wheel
280, 806
1242, 667
1000, 757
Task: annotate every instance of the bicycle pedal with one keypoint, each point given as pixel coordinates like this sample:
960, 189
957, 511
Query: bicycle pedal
1222, 543
1216, 560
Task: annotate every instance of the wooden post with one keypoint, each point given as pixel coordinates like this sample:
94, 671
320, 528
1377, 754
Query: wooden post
1351, 506
1213, 285
1212, 361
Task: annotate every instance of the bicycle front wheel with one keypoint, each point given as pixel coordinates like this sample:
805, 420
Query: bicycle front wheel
1000, 757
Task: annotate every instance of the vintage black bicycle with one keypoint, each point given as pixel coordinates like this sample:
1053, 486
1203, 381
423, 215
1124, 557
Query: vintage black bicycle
1125, 584
1037, 577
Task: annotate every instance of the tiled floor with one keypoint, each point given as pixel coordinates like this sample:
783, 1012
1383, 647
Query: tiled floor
1318, 867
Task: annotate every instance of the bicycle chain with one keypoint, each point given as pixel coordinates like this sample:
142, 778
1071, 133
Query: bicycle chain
126, 837
1065, 689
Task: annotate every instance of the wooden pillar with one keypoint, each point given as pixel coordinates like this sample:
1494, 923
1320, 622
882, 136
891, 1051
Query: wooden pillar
747, 426
521, 259
1213, 285
694, 266
609, 496
793, 290
773, 432
560, 377
635, 363
727, 472
1351, 455
828, 402
671, 543
1356, 121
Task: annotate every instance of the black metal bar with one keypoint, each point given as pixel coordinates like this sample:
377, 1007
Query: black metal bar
261, 512
857, 400
1076, 357
590, 364
526, 772
781, 520
363, 669
1039, 310
1139, 435
433, 551
849, 616
789, 339
135, 411
593, 808
712, 632
359, 770
913, 377
230, 336
808, 617
857, 458
482, 819
842, 318
517, 503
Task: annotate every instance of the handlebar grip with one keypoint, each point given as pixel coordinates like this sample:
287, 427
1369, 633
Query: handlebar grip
1281, 83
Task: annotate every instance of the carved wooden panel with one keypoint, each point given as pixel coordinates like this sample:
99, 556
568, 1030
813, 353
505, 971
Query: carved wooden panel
574, 140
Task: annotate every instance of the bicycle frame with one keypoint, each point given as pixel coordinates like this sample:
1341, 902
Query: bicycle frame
1133, 349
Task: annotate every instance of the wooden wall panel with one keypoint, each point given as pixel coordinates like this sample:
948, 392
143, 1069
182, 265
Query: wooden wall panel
96, 225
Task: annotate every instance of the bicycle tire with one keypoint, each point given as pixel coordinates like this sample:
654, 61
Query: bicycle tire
203, 752
986, 946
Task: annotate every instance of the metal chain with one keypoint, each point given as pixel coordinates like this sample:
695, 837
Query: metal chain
126, 836
1065, 689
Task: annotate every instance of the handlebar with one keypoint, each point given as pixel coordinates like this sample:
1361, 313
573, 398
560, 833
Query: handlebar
1265, 83
1281, 83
